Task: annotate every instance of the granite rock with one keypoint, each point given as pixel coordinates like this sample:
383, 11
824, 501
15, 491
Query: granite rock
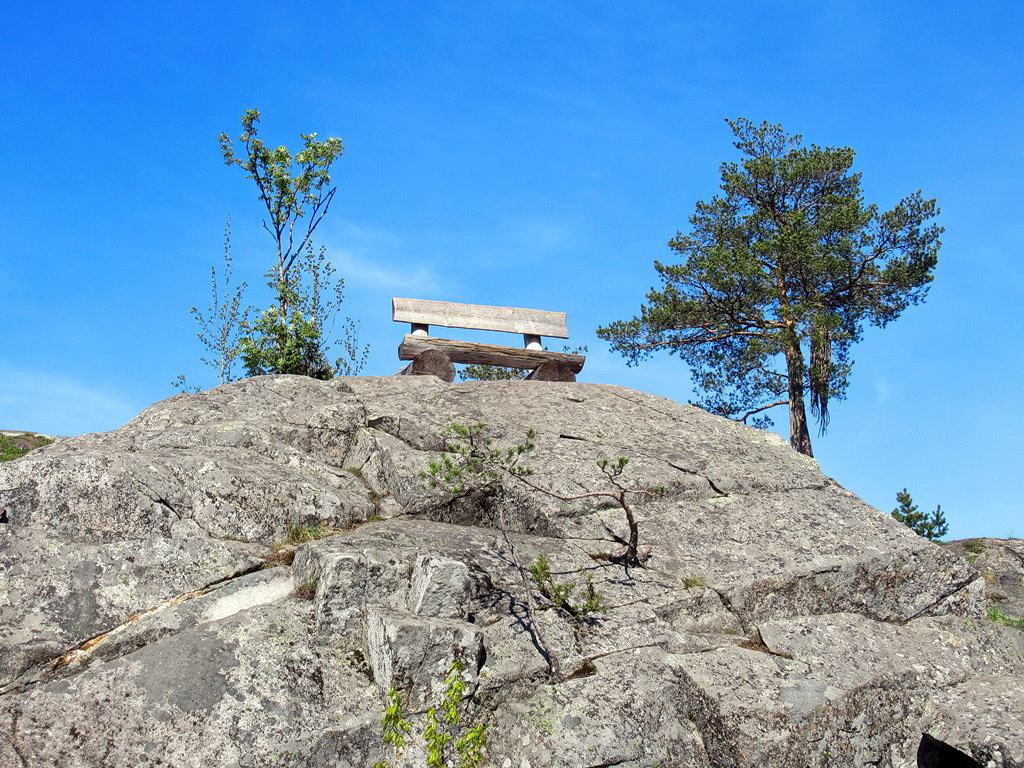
147, 617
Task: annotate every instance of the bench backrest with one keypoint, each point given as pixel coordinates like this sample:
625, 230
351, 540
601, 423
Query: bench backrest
529, 322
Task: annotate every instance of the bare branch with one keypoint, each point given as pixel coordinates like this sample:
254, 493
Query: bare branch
748, 414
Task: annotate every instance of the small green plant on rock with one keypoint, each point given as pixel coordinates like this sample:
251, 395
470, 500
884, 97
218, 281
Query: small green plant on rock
994, 614
283, 551
974, 546
560, 594
471, 464
300, 533
12, 448
306, 591
445, 741
470, 461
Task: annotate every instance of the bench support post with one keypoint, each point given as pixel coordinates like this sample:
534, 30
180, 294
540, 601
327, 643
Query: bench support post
532, 342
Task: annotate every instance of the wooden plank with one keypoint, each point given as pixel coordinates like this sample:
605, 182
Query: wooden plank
537, 322
486, 354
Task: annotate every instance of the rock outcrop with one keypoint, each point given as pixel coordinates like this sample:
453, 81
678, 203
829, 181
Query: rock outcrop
1001, 563
148, 619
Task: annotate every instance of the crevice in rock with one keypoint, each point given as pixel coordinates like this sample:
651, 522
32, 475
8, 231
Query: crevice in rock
301, 425
13, 740
715, 488
81, 653
157, 498
647, 406
573, 437
947, 594
706, 479
727, 604
757, 643
585, 667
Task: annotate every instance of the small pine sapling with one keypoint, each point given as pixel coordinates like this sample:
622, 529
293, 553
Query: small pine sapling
932, 526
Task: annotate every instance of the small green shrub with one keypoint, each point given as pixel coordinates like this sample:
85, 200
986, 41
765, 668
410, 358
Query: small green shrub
994, 614
974, 546
694, 581
299, 533
470, 462
283, 551
932, 526
560, 594
442, 731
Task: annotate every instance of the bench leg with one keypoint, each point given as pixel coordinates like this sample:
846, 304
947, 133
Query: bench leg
431, 362
552, 370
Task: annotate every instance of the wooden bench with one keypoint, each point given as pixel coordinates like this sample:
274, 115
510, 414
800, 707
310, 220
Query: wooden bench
432, 355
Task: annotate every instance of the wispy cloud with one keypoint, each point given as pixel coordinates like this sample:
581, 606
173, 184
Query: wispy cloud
542, 234
40, 401
365, 272
378, 259
882, 390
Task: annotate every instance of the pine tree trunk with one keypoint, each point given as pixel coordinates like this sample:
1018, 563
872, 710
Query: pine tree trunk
799, 437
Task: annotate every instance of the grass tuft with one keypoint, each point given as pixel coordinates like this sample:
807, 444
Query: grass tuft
14, 447
994, 614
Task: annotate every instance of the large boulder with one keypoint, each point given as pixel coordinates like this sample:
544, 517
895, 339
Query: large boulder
150, 614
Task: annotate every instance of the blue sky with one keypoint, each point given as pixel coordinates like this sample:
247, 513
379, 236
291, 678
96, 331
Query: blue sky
536, 154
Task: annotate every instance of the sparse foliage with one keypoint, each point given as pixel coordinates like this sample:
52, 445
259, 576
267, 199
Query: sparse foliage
295, 189
298, 342
470, 461
994, 614
14, 447
484, 372
779, 276
221, 326
932, 526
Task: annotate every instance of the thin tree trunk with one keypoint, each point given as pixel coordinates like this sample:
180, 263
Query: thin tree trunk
799, 437
632, 556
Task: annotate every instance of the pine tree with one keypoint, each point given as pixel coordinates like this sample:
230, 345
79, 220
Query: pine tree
779, 275
932, 526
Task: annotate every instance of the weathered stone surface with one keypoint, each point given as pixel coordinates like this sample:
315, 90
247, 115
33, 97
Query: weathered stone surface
56, 593
1001, 562
779, 621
